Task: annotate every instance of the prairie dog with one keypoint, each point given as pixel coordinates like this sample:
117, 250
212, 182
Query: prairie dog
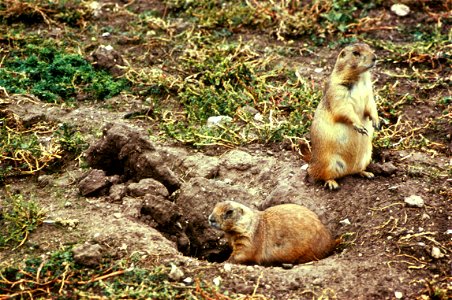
287, 233
344, 121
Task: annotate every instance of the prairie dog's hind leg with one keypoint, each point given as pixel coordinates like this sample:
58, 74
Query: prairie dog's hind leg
335, 169
331, 184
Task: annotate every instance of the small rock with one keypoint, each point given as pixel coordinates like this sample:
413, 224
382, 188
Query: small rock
89, 255
218, 120
398, 295
147, 186
108, 58
68, 204
217, 281
436, 253
317, 281
393, 188
94, 183
318, 70
449, 231
117, 215
188, 280
383, 169
176, 273
345, 222
414, 201
304, 167
287, 266
400, 9
227, 267
247, 109
44, 180
258, 117
425, 216
117, 192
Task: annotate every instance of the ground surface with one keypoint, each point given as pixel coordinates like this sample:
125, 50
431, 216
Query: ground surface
156, 193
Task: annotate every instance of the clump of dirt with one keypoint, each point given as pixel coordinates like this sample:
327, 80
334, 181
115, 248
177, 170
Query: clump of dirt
123, 151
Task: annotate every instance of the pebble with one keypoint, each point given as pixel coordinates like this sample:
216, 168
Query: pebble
436, 253
287, 266
258, 117
217, 281
414, 201
398, 295
176, 273
400, 9
188, 280
227, 267
218, 120
345, 222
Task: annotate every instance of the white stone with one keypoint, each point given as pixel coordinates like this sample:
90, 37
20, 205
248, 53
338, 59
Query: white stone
318, 70
400, 9
304, 167
176, 273
227, 267
436, 253
188, 280
218, 120
398, 295
345, 222
258, 117
217, 281
415, 201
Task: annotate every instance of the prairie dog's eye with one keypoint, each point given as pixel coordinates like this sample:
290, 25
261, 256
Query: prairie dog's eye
228, 213
356, 53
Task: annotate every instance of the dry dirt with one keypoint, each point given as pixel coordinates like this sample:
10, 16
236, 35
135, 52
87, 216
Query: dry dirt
154, 199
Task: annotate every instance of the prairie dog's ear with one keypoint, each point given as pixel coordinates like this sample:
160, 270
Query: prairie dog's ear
239, 211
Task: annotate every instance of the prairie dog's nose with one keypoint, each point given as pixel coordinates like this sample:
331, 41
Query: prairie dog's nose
211, 219
374, 58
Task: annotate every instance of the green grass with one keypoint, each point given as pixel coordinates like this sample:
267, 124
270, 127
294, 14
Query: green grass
19, 217
55, 76
59, 276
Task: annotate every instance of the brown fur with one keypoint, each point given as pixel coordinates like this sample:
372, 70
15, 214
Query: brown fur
286, 233
342, 129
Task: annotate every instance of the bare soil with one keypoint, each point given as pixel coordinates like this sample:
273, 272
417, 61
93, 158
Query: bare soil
387, 244
156, 198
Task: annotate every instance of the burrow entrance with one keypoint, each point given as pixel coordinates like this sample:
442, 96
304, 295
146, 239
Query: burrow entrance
127, 169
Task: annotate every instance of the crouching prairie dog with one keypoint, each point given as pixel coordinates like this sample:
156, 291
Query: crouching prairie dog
286, 233
344, 121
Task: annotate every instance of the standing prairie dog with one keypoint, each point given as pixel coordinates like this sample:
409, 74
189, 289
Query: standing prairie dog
286, 233
342, 129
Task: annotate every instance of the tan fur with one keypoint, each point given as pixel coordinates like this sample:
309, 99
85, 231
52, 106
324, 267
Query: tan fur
342, 129
286, 233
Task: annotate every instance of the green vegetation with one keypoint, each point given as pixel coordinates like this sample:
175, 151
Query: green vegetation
26, 149
18, 218
59, 276
55, 76
253, 62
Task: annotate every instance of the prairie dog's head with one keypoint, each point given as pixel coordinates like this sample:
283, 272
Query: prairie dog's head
354, 60
230, 216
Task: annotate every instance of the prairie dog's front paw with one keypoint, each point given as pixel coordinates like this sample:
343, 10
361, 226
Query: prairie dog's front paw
376, 123
361, 129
